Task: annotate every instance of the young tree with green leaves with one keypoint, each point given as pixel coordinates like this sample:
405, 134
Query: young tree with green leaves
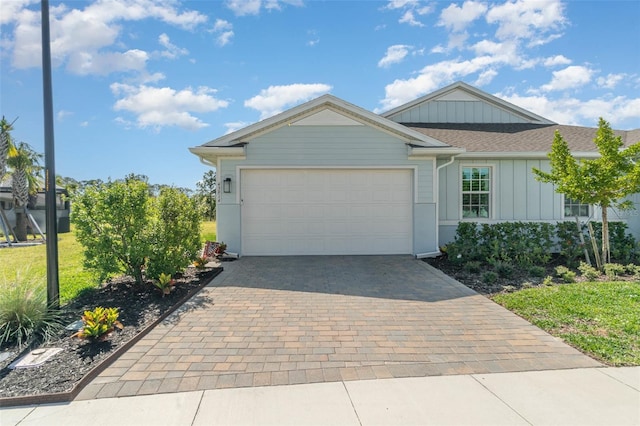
206, 193
604, 181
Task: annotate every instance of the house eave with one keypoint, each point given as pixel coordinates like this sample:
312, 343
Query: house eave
523, 154
418, 152
209, 154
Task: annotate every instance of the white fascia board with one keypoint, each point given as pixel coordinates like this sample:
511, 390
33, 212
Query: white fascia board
522, 154
309, 108
209, 155
434, 151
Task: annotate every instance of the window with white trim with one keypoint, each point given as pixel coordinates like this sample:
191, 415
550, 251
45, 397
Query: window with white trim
575, 208
476, 192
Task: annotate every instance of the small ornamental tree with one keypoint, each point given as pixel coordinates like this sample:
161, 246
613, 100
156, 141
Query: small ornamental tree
604, 181
111, 221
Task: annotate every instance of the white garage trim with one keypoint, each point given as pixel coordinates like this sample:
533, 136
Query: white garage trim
326, 211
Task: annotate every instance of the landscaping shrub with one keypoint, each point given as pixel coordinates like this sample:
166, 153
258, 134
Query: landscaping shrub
537, 271
174, 233
99, 323
124, 229
613, 270
624, 248
489, 277
503, 269
466, 245
24, 316
588, 271
473, 267
567, 275
111, 221
569, 244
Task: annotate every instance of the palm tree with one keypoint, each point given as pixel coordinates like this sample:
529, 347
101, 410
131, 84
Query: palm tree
25, 165
6, 146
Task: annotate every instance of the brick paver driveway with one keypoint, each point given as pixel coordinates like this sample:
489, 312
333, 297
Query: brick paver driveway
287, 320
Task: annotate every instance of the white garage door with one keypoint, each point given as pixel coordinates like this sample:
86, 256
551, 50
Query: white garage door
326, 212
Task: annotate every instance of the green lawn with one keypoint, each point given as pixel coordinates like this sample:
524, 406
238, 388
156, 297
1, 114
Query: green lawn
601, 319
31, 261
208, 231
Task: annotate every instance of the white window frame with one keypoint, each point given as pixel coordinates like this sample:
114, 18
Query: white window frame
573, 204
490, 192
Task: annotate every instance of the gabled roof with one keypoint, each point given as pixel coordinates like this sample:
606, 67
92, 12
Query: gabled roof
463, 91
325, 102
517, 138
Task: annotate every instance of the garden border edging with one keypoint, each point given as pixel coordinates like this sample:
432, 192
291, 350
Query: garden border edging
48, 398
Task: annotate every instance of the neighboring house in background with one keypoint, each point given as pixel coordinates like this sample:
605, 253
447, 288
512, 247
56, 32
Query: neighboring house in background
328, 177
38, 210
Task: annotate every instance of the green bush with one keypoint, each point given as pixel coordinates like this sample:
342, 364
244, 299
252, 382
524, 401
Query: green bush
624, 248
489, 277
613, 270
174, 233
503, 269
466, 245
537, 271
111, 221
588, 271
124, 229
569, 244
473, 267
567, 275
24, 316
99, 323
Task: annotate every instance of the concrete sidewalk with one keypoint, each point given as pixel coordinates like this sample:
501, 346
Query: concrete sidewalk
586, 396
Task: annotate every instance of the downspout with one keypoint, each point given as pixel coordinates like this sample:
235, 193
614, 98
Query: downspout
437, 185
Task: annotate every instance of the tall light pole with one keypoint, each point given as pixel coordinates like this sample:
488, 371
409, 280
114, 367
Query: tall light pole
53, 285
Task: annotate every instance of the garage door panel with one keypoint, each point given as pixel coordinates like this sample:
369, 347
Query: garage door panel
326, 212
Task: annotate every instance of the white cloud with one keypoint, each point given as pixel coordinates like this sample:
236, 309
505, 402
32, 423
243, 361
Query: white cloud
253, 7
275, 99
85, 63
82, 38
610, 80
84, 124
11, 10
485, 77
157, 107
568, 78
457, 18
573, 111
62, 114
395, 54
556, 60
172, 51
533, 20
409, 9
224, 31
235, 125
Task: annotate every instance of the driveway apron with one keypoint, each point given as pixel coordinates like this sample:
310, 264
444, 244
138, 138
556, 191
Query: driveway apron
290, 320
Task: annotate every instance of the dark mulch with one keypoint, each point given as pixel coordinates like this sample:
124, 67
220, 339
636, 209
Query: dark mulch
520, 278
139, 306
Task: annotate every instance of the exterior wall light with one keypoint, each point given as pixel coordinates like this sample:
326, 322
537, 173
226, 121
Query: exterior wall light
226, 185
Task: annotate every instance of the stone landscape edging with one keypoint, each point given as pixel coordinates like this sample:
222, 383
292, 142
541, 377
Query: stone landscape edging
49, 398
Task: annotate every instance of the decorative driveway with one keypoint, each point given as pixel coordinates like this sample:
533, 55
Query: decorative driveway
288, 320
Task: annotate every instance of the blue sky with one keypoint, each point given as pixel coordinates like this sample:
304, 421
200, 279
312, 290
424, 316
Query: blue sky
137, 82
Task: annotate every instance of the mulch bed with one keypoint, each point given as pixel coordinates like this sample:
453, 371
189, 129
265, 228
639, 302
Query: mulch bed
140, 305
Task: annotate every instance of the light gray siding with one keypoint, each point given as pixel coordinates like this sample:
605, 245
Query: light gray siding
456, 112
329, 147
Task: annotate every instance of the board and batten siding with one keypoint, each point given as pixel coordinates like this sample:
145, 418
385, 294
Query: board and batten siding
516, 194
330, 146
456, 112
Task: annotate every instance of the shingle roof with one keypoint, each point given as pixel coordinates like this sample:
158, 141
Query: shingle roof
497, 137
